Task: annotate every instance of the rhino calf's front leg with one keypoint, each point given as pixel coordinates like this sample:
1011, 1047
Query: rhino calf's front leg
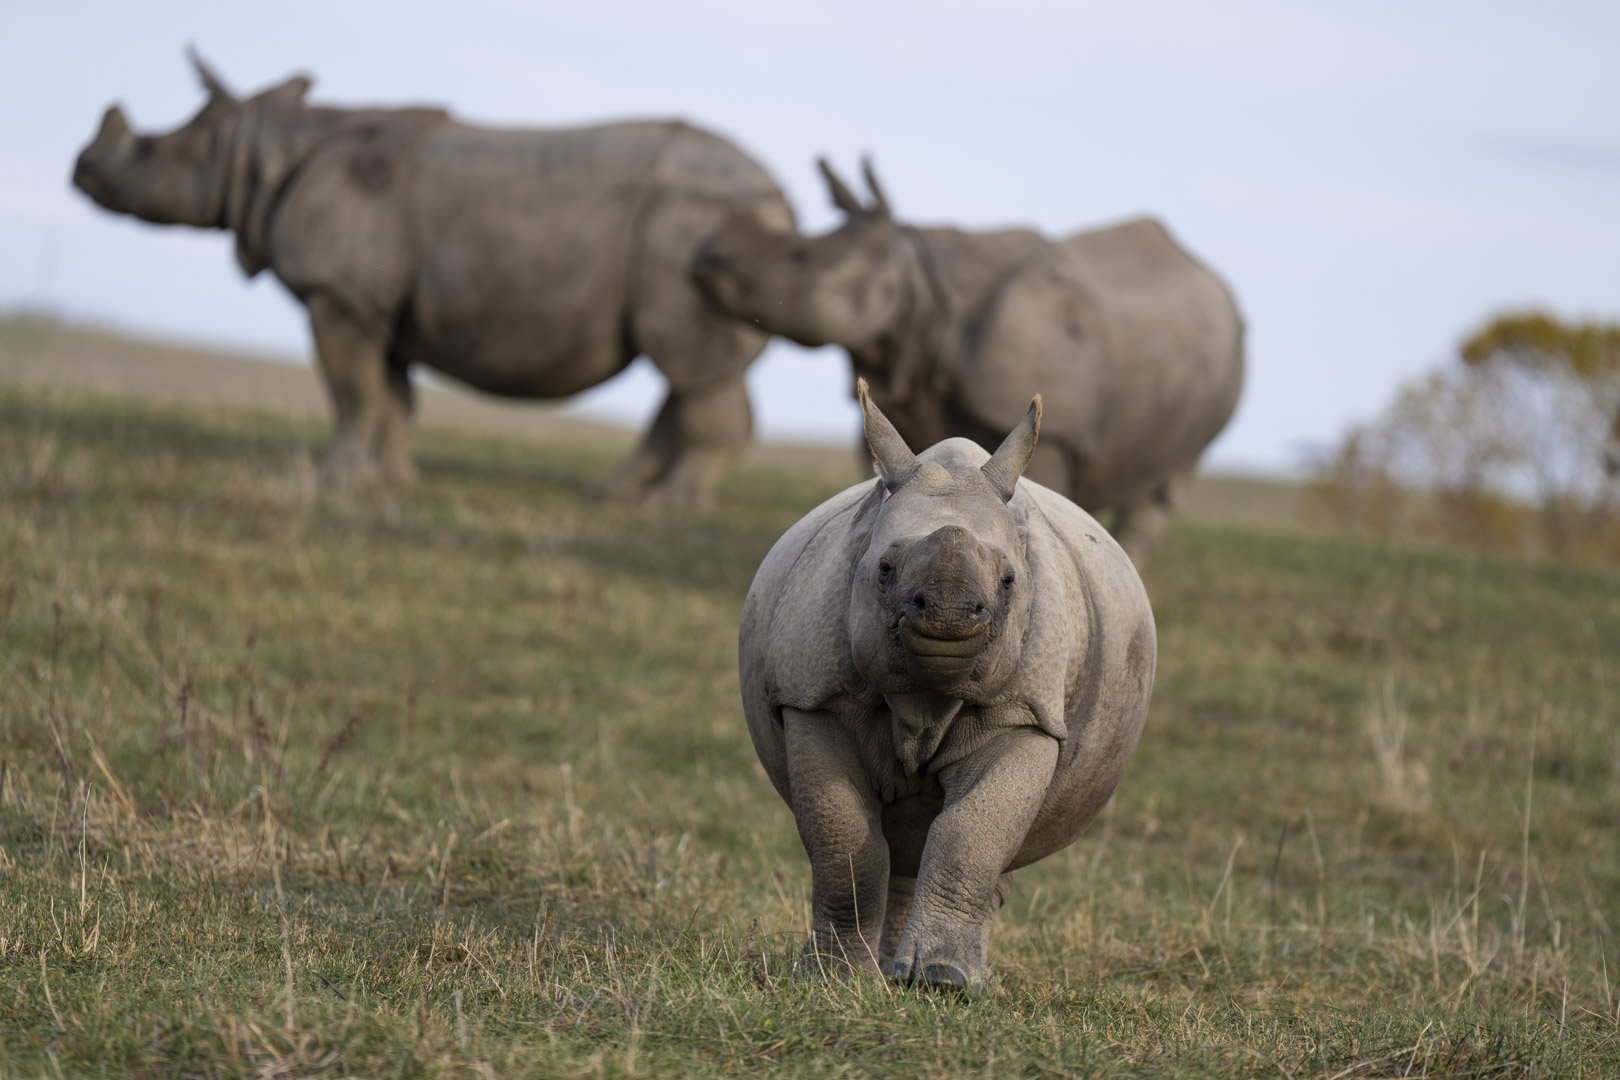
991, 799
839, 820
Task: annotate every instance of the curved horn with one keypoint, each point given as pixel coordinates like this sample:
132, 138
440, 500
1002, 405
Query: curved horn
880, 201
1011, 458
843, 198
895, 462
211, 82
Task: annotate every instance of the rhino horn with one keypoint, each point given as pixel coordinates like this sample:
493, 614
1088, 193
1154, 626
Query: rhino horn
1011, 458
113, 124
895, 462
211, 82
843, 198
880, 201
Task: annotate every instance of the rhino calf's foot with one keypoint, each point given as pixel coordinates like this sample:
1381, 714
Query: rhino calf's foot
953, 957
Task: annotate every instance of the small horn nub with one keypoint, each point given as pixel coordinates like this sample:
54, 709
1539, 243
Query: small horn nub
896, 464
1011, 458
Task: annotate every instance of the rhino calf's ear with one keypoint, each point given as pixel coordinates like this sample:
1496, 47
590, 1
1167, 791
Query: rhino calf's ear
1011, 458
895, 462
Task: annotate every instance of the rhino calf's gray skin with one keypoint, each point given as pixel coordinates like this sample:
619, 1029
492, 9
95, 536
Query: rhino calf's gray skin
945, 673
529, 264
1136, 347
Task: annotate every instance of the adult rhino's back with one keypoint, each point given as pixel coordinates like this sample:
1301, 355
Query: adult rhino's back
1135, 345
618, 160
531, 242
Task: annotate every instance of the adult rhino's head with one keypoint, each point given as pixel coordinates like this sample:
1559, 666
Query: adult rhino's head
844, 288
941, 595
177, 178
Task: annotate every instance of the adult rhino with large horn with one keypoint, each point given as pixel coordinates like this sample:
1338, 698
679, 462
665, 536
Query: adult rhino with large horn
945, 672
525, 263
1136, 346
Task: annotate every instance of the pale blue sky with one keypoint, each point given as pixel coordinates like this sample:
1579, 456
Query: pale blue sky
1373, 178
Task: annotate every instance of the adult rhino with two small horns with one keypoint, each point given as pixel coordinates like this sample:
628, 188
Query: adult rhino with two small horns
945, 673
1136, 347
525, 263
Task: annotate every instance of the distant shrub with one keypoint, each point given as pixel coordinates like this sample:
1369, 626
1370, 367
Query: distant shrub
1505, 448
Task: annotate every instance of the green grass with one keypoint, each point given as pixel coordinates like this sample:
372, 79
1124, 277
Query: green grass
455, 781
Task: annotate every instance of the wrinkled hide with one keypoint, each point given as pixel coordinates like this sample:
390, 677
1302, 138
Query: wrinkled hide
525, 263
1135, 346
945, 672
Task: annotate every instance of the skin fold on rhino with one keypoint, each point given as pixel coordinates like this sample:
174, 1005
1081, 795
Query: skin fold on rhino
524, 263
1135, 346
945, 673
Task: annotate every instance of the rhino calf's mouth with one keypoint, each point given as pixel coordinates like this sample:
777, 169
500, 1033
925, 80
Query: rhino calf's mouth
919, 643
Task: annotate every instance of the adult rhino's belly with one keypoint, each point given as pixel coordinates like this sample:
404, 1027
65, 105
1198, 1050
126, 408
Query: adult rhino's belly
521, 289
515, 356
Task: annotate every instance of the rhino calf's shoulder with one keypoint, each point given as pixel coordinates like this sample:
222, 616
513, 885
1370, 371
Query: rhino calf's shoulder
945, 673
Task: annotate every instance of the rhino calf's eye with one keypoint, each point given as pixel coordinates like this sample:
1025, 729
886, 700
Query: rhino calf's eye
884, 570
1007, 581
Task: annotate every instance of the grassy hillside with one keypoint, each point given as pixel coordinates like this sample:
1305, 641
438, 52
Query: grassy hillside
52, 354
455, 780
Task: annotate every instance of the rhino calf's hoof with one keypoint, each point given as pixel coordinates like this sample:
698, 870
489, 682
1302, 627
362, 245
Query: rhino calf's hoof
941, 973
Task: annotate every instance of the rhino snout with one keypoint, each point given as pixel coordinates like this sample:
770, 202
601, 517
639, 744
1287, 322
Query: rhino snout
87, 178
920, 642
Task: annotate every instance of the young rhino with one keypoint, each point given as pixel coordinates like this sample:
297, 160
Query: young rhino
945, 673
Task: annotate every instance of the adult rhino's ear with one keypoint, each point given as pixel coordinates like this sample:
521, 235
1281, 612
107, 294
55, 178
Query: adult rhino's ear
843, 198
895, 462
880, 201
291, 92
1011, 458
211, 82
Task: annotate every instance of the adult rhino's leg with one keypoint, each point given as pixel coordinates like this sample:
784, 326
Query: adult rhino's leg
630, 481
1138, 525
697, 434
703, 352
991, 799
392, 447
710, 426
839, 819
354, 364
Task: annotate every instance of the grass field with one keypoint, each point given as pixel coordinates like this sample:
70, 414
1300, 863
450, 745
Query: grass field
454, 781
